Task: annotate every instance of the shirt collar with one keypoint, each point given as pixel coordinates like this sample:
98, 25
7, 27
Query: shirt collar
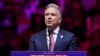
55, 31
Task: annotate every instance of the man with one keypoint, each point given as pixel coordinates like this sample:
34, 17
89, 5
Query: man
53, 38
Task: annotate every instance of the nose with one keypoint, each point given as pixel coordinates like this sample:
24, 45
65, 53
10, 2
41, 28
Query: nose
49, 17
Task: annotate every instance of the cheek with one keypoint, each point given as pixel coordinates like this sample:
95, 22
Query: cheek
54, 17
56, 20
45, 19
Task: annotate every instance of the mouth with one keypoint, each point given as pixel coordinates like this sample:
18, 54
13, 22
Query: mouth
49, 22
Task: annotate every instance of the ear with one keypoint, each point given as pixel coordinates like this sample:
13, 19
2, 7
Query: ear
60, 20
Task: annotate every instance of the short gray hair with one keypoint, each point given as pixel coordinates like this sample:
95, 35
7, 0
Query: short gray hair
54, 6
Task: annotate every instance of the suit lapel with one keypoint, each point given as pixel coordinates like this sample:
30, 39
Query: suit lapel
58, 40
44, 40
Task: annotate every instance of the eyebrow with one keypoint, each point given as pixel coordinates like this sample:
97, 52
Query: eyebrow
50, 13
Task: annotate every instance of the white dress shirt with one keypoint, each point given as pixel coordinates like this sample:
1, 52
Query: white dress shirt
54, 35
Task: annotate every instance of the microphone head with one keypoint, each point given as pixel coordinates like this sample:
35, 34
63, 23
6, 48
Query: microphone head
50, 31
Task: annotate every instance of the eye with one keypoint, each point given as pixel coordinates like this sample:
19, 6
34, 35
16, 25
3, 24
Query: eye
46, 14
53, 14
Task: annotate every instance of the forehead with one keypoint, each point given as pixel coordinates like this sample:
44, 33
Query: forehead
51, 9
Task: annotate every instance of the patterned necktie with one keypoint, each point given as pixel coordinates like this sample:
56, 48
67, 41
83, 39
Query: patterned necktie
51, 43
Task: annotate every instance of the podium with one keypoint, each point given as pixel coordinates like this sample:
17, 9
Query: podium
46, 53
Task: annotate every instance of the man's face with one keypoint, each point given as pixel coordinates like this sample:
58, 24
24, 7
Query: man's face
52, 17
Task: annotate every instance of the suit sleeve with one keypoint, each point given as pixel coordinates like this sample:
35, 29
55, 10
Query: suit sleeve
32, 44
73, 44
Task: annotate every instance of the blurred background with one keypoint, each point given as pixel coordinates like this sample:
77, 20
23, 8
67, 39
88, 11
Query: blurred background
21, 18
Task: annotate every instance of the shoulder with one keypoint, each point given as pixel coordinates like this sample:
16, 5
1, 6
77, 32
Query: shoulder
67, 33
37, 35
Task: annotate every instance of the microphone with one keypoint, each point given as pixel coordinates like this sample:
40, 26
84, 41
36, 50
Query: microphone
50, 31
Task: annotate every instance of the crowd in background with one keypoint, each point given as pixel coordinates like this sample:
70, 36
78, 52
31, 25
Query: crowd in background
21, 18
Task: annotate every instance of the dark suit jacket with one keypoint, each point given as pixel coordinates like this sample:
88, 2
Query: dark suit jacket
66, 41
